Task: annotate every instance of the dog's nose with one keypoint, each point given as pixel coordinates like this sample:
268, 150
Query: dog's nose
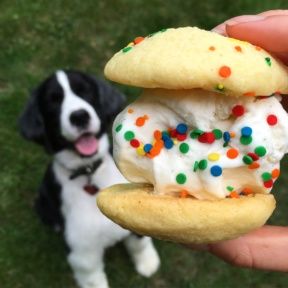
80, 118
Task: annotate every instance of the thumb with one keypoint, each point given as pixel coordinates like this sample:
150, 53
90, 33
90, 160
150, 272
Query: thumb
270, 33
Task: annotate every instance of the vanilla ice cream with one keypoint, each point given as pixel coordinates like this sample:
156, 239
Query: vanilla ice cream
201, 143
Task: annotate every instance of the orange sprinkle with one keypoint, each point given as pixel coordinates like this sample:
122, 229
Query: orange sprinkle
277, 92
212, 48
247, 191
250, 93
157, 135
234, 194
275, 173
232, 134
137, 40
238, 48
224, 71
183, 193
130, 110
232, 153
258, 48
154, 152
159, 144
254, 165
140, 121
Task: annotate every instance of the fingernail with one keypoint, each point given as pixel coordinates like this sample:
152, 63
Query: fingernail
245, 19
219, 31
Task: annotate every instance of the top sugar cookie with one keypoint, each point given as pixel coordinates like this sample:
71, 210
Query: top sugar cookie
187, 58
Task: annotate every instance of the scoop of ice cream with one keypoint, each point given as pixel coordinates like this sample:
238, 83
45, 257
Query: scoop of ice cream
198, 143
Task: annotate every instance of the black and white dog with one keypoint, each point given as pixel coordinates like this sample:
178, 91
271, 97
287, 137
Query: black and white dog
69, 114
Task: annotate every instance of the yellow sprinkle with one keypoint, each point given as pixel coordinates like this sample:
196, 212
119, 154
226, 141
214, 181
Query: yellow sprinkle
130, 44
214, 156
140, 151
175, 142
220, 87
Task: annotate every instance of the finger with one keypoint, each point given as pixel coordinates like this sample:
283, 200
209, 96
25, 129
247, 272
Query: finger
270, 33
265, 248
221, 29
274, 13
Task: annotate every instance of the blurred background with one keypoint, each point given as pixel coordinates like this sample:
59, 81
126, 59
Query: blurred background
39, 37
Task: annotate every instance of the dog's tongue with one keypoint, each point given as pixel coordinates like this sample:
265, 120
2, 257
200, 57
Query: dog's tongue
86, 145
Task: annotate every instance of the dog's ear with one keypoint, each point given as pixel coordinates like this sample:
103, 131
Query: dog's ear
31, 122
111, 100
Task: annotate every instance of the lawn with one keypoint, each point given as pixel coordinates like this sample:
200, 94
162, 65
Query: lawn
38, 37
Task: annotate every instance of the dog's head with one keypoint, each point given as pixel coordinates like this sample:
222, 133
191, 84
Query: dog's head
70, 110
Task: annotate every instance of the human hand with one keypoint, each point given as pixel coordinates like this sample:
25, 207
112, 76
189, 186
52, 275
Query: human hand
265, 248
267, 30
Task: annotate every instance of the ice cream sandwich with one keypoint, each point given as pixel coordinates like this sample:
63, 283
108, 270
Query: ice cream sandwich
201, 146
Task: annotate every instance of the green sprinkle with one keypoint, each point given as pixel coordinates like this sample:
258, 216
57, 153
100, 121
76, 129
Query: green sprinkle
129, 135
268, 61
196, 166
217, 133
181, 178
126, 49
203, 164
260, 151
184, 148
225, 144
196, 133
230, 188
245, 140
266, 176
118, 128
247, 159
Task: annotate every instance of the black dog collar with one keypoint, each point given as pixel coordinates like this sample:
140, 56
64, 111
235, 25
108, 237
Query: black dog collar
86, 170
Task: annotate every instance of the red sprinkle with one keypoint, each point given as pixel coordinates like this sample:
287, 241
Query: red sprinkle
254, 156
173, 133
268, 184
238, 110
207, 137
272, 119
181, 137
135, 143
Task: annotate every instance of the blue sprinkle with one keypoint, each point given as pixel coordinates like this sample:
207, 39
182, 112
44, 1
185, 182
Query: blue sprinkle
165, 135
168, 143
246, 131
182, 128
226, 136
147, 147
216, 170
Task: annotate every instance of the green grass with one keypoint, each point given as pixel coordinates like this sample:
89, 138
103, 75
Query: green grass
38, 37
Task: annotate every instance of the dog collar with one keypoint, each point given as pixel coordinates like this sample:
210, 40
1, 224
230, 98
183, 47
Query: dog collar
85, 170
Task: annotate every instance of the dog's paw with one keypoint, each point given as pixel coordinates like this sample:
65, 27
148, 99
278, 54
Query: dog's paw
147, 262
